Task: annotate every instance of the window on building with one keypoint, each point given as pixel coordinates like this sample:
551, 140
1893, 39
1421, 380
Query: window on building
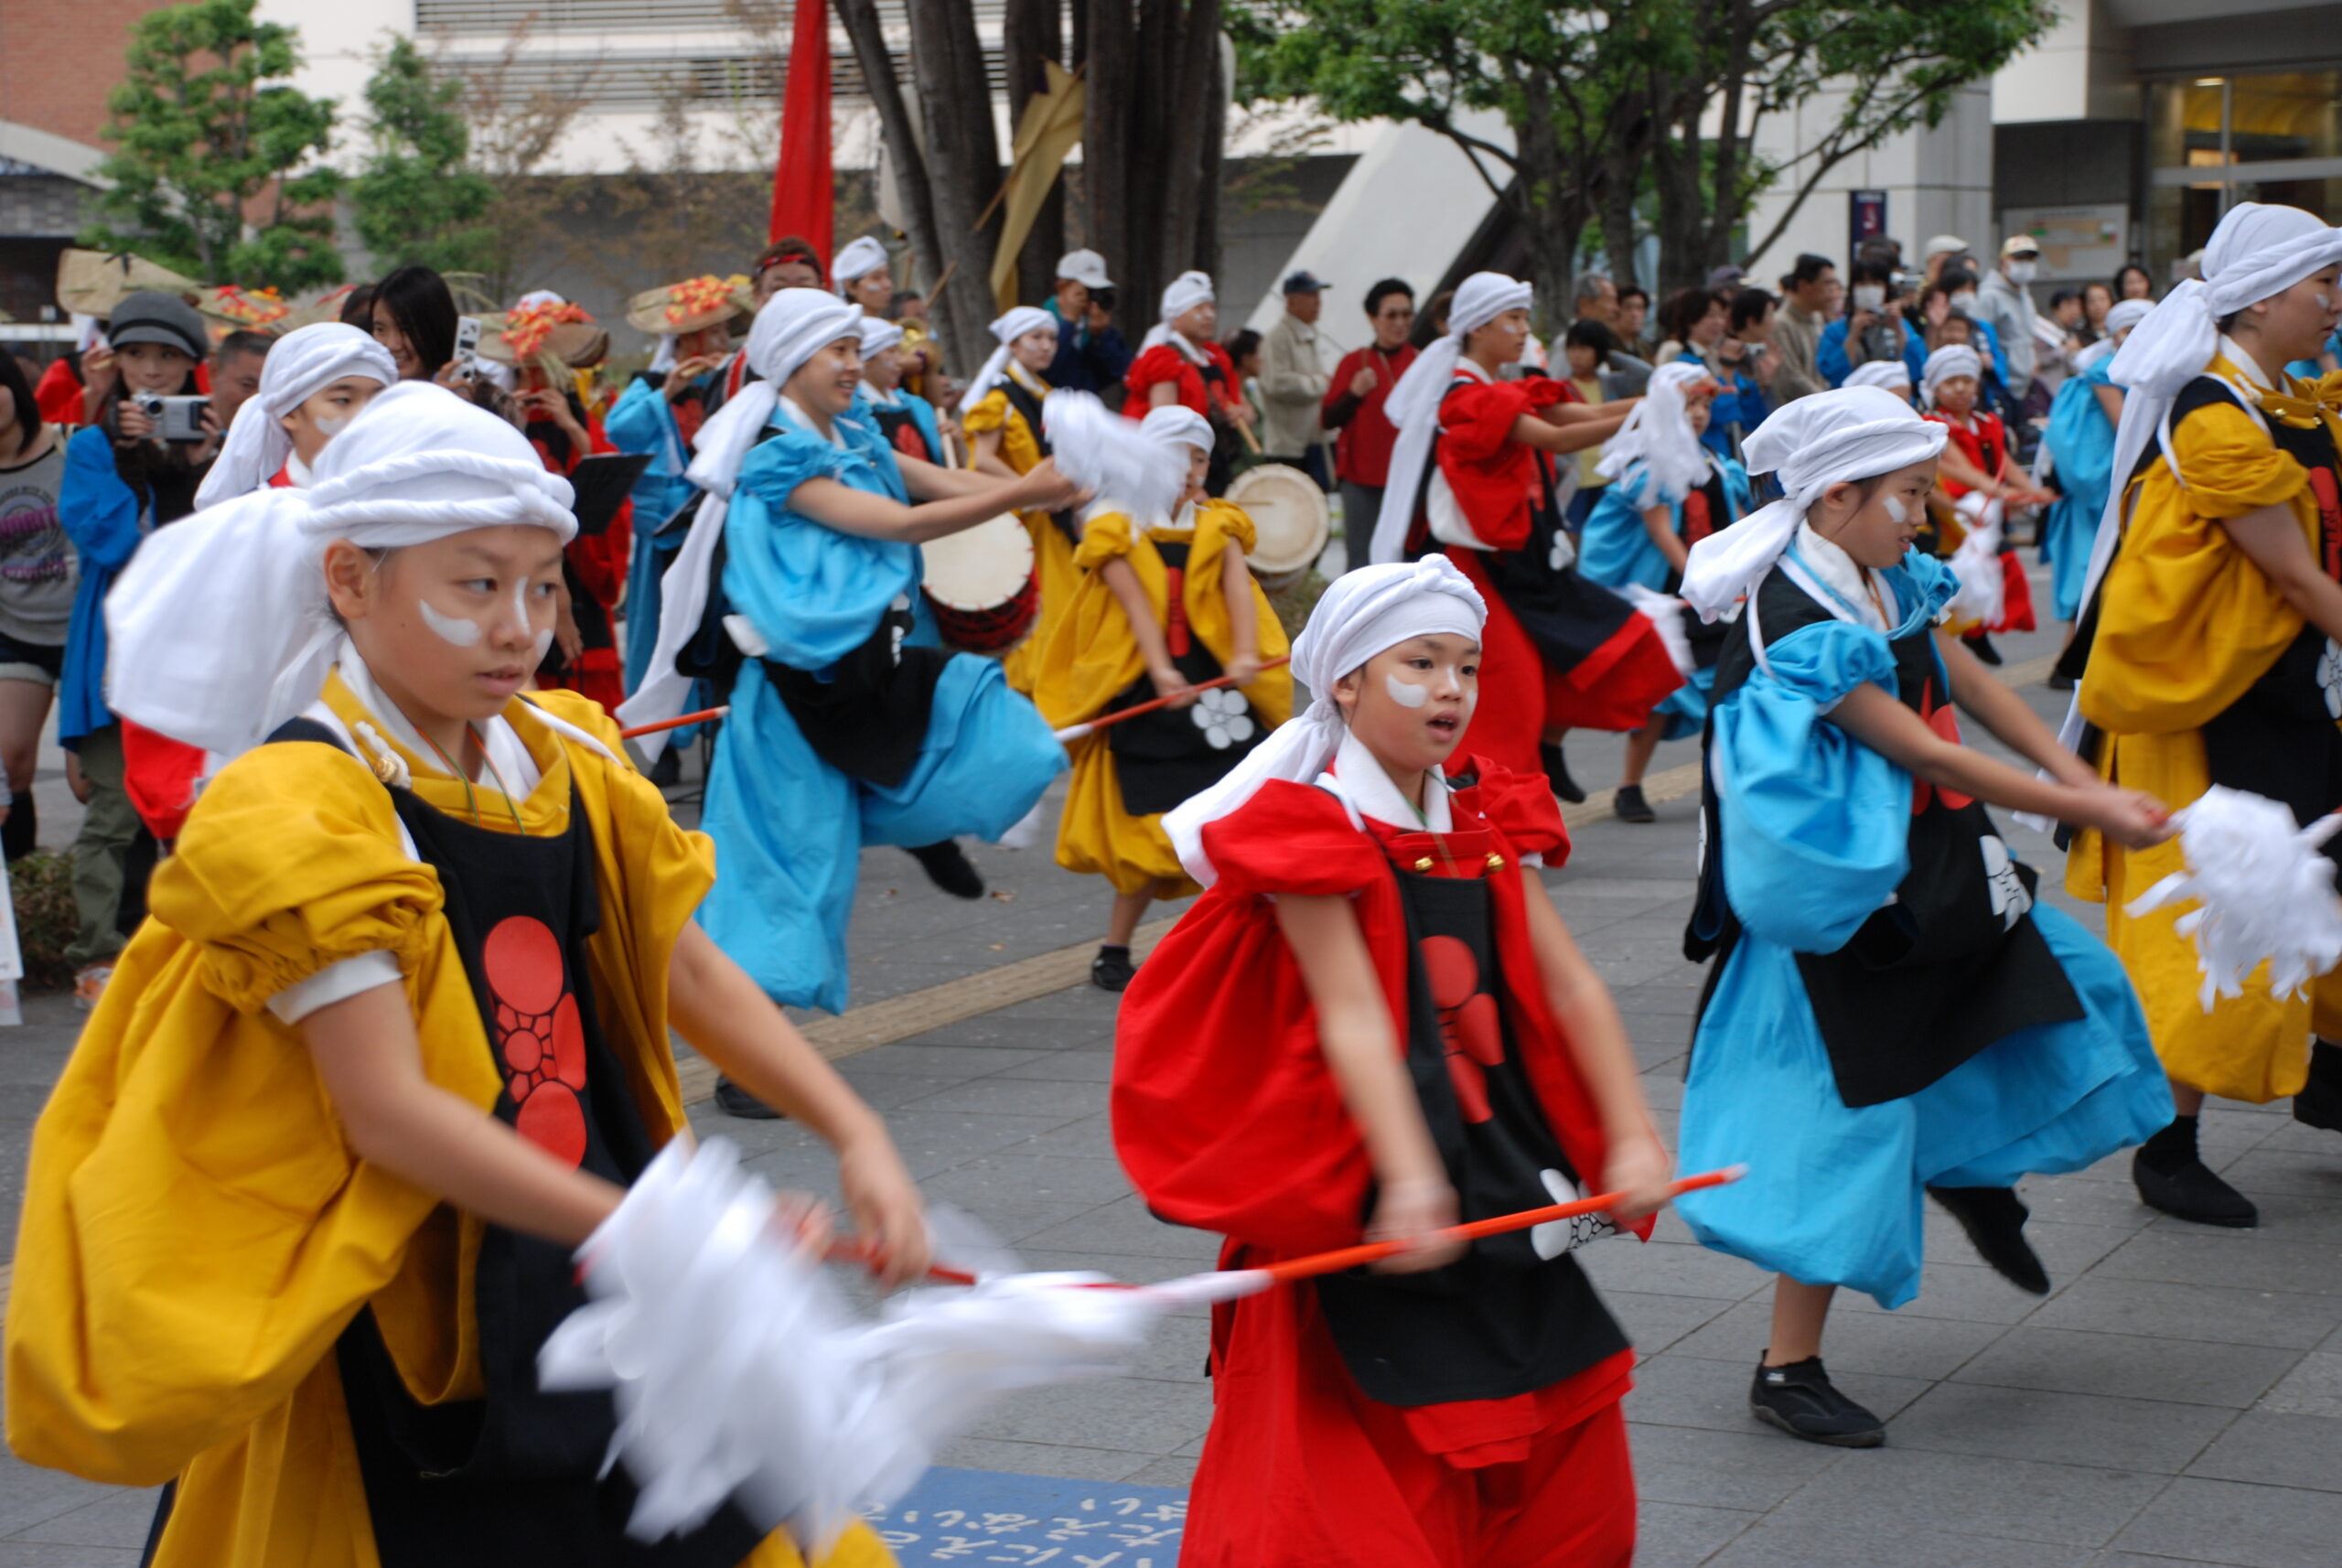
2215, 141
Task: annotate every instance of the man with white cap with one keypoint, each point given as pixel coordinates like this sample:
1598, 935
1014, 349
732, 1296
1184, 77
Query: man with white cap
864, 275
415, 962
1293, 380
1940, 251
1091, 354
2212, 620
1181, 361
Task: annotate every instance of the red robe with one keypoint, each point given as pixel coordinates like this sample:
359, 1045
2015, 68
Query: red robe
58, 395
1228, 1119
1498, 481
597, 565
1164, 363
1984, 442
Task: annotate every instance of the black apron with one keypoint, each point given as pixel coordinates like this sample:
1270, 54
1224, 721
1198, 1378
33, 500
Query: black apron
1502, 1320
901, 429
2279, 737
1953, 963
866, 715
515, 1476
1166, 756
1028, 407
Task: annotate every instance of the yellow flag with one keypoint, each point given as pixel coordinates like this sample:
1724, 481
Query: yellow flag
1045, 132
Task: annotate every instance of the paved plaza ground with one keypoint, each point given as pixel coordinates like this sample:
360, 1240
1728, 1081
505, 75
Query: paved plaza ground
2178, 1398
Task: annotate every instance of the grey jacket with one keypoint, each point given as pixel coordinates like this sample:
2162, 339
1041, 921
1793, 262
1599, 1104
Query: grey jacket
1293, 388
2009, 310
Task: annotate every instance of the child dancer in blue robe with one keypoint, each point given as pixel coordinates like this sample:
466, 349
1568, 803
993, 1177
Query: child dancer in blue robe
2080, 442
1891, 1015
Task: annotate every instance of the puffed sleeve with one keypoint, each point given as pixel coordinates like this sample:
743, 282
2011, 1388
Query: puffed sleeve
1815, 824
815, 593
1290, 838
1476, 419
1105, 537
1233, 523
1520, 806
989, 414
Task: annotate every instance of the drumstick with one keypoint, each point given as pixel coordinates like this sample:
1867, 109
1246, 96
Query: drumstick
675, 723
1072, 733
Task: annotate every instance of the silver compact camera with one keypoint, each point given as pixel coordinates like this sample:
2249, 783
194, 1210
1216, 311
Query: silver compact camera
176, 418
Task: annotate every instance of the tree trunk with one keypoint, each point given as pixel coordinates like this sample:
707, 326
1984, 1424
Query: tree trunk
1206, 252
1110, 35
895, 123
963, 168
1195, 86
1031, 32
1552, 203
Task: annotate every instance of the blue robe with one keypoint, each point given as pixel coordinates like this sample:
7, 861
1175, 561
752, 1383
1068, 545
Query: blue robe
1615, 549
642, 419
105, 520
789, 828
1815, 839
2082, 439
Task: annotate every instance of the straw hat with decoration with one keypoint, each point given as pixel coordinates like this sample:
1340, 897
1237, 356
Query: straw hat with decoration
554, 335
91, 283
675, 308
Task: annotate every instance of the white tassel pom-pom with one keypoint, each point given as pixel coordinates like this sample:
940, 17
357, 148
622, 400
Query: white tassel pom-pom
1106, 454
2263, 891
1666, 616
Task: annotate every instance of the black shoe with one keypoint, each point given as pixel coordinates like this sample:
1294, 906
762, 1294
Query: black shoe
1111, 970
2190, 1191
2059, 681
668, 771
1801, 1399
734, 1100
1982, 647
1628, 801
2319, 1104
946, 866
1557, 774
1995, 1219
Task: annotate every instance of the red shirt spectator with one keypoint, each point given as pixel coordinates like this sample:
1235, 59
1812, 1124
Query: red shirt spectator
1363, 451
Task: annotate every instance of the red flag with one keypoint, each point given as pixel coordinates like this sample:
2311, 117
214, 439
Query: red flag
801, 195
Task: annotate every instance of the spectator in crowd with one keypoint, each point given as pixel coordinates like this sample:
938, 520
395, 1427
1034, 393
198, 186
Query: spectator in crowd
1741, 362
358, 307
2133, 282
1092, 355
1354, 406
2097, 298
2004, 302
1292, 382
37, 580
1596, 298
1243, 352
1694, 320
1590, 346
415, 318
1940, 251
1633, 326
1811, 289
235, 372
1872, 329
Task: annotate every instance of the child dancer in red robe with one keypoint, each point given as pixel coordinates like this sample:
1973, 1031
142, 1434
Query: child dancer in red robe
1472, 474
1374, 1024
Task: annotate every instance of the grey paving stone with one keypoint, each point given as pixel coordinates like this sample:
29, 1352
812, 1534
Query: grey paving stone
35, 1554
1043, 1459
1881, 1542
2313, 1387
1655, 1323
1963, 1292
1745, 1471
1065, 1099
1091, 1138
31, 1496
1958, 1494
2062, 1428
1126, 1228
2228, 1522
1678, 1535
1172, 1470
1887, 1342
1131, 1415
1076, 1066
1669, 1268
2246, 1260
932, 1140
951, 1061
2102, 1304
1685, 1390
118, 1520
2309, 1175
2268, 1450
2130, 1365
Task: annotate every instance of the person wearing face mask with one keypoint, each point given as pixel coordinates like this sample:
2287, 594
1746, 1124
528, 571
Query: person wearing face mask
1872, 329
1892, 1014
2207, 654
393, 1043
2004, 302
1954, 295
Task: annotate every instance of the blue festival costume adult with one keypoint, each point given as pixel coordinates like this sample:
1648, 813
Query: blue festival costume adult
1890, 1011
849, 724
2080, 441
1656, 459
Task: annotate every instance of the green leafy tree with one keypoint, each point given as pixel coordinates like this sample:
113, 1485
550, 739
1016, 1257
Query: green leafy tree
418, 199
213, 172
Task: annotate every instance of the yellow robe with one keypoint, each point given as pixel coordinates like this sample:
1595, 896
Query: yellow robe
196, 1234
1053, 567
2186, 623
1092, 657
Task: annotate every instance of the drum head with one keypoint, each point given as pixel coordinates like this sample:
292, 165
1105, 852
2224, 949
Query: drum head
980, 567
1289, 515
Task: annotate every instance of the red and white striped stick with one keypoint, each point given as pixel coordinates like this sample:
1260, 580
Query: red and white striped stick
676, 723
1072, 733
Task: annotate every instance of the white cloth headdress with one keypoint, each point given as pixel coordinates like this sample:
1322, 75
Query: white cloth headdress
2257, 250
1951, 360
1175, 426
1360, 615
219, 628
1005, 331
878, 335
1659, 436
2127, 313
1885, 374
1181, 295
538, 297
1854, 433
301, 364
858, 260
1413, 404
792, 328
1112, 457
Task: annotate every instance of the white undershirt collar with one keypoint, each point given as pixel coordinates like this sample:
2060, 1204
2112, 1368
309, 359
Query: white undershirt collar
507, 755
1837, 571
2235, 354
1360, 780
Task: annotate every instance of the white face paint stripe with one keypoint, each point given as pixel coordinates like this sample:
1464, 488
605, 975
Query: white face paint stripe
1894, 507
453, 629
1404, 693
327, 426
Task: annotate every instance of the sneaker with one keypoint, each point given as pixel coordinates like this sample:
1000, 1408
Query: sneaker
947, 865
2191, 1191
734, 1100
1111, 970
1982, 647
1557, 774
1801, 1399
89, 984
2319, 1104
1995, 1219
1629, 802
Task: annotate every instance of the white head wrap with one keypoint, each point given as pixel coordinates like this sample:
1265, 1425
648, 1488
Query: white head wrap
1360, 615
1659, 436
1175, 425
1182, 295
793, 326
858, 260
878, 335
1885, 374
219, 628
1854, 433
1951, 360
664, 357
1413, 404
2127, 313
1115, 459
2257, 250
301, 364
1005, 331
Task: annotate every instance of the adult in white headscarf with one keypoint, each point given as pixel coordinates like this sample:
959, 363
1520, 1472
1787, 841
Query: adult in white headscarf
1001, 412
1180, 362
864, 275
337, 369
2077, 450
1886, 375
2208, 650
